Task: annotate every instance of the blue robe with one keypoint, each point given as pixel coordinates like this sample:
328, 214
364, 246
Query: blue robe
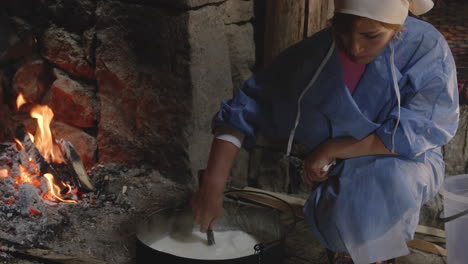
369, 206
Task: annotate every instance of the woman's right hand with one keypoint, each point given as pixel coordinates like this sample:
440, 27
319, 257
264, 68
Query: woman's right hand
207, 205
207, 202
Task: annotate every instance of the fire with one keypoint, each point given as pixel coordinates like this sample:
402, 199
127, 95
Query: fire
45, 144
19, 145
20, 101
30, 136
33, 178
43, 138
54, 190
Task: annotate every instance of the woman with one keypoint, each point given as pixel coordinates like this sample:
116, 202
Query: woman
376, 92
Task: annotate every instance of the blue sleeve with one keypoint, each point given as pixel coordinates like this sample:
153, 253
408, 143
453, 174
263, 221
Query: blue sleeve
255, 109
429, 107
242, 111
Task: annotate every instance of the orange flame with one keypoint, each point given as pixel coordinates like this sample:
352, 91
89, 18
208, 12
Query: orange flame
20, 101
54, 189
19, 146
43, 138
30, 136
45, 144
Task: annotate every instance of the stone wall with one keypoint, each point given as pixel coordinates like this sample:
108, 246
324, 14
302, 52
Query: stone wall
222, 45
133, 82
198, 56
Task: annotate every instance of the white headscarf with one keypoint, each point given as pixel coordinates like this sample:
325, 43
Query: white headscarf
388, 11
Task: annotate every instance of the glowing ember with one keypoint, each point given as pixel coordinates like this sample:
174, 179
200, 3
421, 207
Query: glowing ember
27, 176
3, 173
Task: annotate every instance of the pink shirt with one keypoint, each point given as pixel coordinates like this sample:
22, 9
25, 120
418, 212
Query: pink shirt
352, 71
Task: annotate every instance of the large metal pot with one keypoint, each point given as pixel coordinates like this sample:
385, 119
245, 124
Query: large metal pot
260, 222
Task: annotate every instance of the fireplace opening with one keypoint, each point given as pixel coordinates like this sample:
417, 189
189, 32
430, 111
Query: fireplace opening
94, 134
52, 207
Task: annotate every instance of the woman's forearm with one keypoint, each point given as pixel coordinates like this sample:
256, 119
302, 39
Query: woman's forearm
207, 202
348, 147
220, 161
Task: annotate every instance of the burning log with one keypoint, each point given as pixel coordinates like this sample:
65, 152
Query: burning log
75, 161
39, 159
29, 156
71, 158
31, 150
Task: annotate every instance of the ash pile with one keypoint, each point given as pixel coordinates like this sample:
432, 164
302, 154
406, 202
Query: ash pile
98, 227
26, 216
32, 199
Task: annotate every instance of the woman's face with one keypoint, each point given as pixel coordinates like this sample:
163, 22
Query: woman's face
366, 40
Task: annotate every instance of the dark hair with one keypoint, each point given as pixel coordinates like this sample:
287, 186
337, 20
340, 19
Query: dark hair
343, 23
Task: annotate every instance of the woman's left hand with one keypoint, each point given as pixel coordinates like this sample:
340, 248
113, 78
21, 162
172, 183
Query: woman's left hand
315, 162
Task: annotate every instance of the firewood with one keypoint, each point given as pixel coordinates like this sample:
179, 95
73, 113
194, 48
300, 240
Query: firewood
295, 203
75, 161
45, 254
427, 230
58, 257
31, 150
72, 158
427, 247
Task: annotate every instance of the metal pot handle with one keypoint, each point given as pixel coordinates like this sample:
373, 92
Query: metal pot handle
453, 217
